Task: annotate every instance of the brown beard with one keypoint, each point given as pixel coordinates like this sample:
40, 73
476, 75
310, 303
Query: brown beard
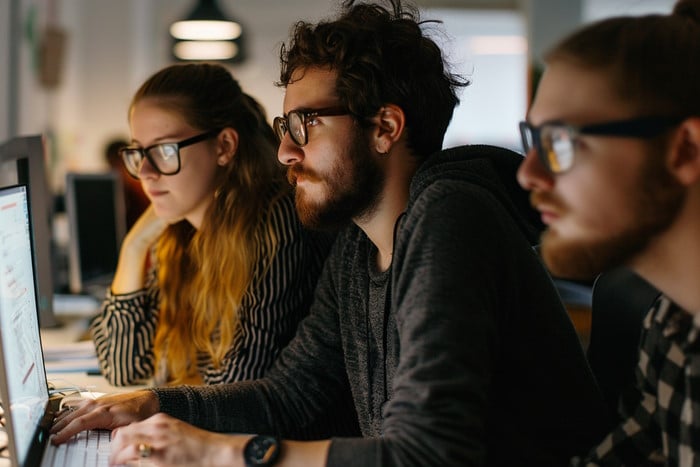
353, 187
658, 200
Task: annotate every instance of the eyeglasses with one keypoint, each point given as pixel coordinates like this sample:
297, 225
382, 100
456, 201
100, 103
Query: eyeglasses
555, 142
164, 157
296, 121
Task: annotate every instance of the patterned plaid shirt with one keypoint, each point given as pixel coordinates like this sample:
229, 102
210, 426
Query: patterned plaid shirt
662, 425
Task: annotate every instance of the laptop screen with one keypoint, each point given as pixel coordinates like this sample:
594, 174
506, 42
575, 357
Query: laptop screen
20, 344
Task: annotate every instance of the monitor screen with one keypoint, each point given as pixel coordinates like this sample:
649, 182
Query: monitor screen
22, 362
22, 160
96, 221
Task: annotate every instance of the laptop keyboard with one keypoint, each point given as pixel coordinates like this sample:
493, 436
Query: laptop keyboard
88, 448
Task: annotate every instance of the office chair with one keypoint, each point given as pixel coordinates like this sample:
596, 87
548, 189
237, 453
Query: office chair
620, 300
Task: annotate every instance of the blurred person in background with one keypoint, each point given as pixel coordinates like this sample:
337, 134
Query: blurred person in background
613, 165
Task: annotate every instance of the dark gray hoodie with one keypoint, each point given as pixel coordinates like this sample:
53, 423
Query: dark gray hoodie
460, 354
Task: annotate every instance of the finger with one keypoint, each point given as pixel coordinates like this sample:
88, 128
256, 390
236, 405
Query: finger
127, 454
132, 447
133, 433
68, 413
61, 414
71, 426
146, 441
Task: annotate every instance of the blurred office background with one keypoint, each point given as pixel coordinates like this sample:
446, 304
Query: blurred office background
69, 67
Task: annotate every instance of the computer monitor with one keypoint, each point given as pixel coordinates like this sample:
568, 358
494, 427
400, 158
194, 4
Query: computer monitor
22, 378
97, 225
22, 161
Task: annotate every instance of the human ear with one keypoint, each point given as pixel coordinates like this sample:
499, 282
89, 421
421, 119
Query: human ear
390, 123
684, 160
227, 144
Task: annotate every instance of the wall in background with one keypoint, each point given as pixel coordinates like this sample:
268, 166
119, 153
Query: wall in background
488, 47
597, 9
4, 65
112, 46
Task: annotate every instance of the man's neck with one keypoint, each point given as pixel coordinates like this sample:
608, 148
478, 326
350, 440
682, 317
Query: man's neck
379, 224
671, 262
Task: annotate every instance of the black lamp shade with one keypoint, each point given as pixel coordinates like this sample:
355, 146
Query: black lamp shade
207, 34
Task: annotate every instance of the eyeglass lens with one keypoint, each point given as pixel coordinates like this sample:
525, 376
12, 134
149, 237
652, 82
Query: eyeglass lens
553, 143
557, 142
294, 123
165, 158
279, 124
297, 129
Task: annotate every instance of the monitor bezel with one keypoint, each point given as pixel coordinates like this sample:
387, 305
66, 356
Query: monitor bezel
77, 282
29, 154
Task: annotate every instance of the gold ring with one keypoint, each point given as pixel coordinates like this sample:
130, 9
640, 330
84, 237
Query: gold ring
144, 450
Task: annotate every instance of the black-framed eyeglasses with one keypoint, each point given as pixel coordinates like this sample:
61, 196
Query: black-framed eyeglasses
554, 142
295, 122
164, 157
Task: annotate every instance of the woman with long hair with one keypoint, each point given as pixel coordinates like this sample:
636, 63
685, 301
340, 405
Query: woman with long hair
214, 277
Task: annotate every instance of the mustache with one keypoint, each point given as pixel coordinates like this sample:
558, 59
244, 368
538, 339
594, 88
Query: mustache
297, 170
553, 203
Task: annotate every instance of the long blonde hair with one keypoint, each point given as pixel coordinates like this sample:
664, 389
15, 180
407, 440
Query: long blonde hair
204, 274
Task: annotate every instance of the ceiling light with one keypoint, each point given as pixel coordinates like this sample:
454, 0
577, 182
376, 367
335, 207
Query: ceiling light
206, 30
207, 34
205, 50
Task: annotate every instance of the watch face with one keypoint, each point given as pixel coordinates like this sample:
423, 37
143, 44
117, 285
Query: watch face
261, 450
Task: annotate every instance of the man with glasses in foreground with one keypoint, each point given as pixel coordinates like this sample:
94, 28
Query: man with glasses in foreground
433, 305
613, 163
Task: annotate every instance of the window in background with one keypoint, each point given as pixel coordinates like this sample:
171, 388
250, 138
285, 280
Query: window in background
490, 48
598, 9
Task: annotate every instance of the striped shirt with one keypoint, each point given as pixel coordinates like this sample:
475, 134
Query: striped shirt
661, 426
269, 312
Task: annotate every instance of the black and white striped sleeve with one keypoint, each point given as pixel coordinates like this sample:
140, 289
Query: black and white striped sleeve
277, 300
123, 334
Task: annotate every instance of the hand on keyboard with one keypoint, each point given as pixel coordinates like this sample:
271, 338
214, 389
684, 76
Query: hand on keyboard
108, 412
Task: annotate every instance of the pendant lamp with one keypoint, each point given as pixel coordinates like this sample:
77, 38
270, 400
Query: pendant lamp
207, 34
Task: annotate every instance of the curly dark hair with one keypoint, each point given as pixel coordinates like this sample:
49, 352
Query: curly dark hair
381, 55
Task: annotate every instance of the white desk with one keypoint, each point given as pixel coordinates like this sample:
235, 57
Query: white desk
72, 329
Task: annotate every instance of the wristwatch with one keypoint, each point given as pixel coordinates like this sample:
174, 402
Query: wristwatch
261, 451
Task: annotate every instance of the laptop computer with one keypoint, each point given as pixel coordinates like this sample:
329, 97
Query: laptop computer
28, 409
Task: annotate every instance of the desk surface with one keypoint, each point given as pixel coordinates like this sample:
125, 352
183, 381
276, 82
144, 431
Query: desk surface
87, 383
73, 330
70, 330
